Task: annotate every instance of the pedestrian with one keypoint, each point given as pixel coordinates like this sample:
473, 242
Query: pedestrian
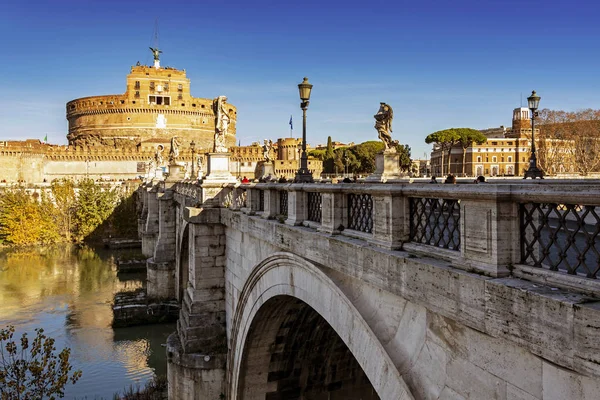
480, 179
451, 179
245, 180
433, 179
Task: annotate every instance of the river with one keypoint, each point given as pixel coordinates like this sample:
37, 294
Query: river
68, 291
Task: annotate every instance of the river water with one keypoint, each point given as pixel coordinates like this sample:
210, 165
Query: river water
68, 291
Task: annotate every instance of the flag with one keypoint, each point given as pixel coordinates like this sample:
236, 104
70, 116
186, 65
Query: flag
291, 124
46, 138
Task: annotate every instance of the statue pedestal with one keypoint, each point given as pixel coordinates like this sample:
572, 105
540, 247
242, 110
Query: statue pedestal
175, 172
387, 167
268, 169
218, 168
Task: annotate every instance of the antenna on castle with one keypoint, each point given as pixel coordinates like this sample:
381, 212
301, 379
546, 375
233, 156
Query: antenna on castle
155, 50
155, 43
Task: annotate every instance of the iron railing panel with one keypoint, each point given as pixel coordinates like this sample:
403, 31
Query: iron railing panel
561, 237
314, 200
435, 222
360, 212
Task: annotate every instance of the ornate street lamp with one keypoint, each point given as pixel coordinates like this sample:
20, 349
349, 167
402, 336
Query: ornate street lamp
303, 175
533, 172
193, 148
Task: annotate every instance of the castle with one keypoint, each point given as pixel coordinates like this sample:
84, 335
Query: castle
118, 137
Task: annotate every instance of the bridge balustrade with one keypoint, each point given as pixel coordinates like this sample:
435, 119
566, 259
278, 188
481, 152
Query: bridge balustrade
360, 212
435, 222
561, 237
314, 204
548, 232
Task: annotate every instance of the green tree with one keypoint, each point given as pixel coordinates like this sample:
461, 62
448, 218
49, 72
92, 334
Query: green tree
329, 162
445, 139
365, 154
404, 151
65, 199
94, 206
317, 154
467, 137
33, 370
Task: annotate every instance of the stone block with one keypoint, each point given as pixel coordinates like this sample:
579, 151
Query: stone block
473, 382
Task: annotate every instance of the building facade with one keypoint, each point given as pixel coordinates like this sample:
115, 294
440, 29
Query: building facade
506, 151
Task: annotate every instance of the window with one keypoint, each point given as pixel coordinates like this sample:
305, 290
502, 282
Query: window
180, 97
478, 158
159, 100
509, 158
502, 158
494, 159
180, 88
137, 94
494, 143
137, 84
166, 85
151, 85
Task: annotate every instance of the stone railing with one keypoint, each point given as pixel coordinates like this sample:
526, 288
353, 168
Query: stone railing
548, 233
542, 232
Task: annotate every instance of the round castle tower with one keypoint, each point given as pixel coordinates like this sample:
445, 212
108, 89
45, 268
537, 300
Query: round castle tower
156, 106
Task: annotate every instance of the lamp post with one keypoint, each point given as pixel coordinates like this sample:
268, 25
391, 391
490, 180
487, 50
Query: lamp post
346, 164
533, 171
303, 175
193, 148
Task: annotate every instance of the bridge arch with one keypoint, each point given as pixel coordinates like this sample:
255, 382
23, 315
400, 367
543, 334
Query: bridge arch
279, 287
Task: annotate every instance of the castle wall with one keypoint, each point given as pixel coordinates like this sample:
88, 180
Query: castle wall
156, 104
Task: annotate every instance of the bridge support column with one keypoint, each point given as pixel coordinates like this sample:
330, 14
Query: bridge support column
334, 212
490, 235
150, 228
198, 352
297, 209
391, 223
271, 204
161, 267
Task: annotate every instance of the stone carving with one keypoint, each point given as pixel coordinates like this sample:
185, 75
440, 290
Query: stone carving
158, 156
156, 53
199, 162
383, 124
174, 151
267, 150
221, 124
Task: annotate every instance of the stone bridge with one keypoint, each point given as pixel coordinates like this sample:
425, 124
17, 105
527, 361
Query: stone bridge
378, 291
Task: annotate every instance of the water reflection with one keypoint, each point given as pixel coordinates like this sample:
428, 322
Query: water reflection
68, 291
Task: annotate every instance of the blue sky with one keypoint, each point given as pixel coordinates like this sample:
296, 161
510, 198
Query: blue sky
439, 64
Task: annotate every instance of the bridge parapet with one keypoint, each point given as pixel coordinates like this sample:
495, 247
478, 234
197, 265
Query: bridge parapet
540, 232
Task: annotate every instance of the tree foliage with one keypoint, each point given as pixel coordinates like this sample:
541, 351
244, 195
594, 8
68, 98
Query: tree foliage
94, 206
568, 141
33, 370
329, 160
26, 220
68, 212
445, 139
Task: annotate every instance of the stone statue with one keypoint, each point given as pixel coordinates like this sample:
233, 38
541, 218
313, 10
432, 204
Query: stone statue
199, 162
267, 149
221, 124
158, 156
174, 152
383, 124
156, 53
